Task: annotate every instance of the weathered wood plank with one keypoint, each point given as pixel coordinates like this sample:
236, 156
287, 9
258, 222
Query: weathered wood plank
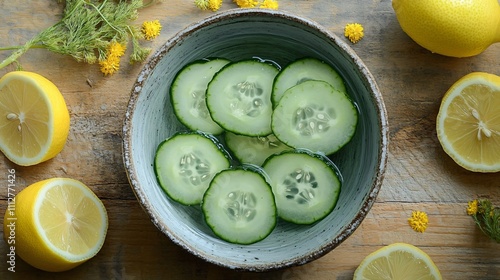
419, 174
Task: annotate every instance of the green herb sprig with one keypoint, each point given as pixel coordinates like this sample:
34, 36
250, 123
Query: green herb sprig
86, 30
486, 216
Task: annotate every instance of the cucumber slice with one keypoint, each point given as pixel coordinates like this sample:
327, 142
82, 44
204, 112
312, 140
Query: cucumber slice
315, 116
239, 206
187, 94
239, 97
253, 149
185, 163
302, 70
306, 185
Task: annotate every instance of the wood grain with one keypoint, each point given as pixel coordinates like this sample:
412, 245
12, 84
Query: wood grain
420, 176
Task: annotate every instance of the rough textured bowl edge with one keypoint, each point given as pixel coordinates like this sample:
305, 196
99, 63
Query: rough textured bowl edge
367, 77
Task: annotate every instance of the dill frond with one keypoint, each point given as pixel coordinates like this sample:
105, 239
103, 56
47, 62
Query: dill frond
486, 216
86, 30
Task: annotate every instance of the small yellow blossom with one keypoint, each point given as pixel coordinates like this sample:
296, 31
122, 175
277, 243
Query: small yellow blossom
354, 32
116, 49
151, 29
418, 221
472, 207
269, 4
214, 5
246, 3
112, 62
110, 65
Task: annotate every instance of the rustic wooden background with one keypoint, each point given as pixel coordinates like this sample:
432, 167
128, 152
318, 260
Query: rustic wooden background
420, 176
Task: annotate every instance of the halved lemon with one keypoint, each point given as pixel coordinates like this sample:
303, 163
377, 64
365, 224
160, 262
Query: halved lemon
468, 122
397, 261
34, 119
56, 224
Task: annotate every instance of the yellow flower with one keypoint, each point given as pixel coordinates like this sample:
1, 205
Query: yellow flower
116, 49
214, 5
110, 65
472, 207
269, 4
246, 3
151, 29
418, 221
354, 32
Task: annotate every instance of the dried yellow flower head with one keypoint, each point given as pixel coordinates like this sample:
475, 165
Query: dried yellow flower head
472, 207
151, 29
418, 221
354, 32
110, 65
214, 5
116, 49
269, 4
246, 3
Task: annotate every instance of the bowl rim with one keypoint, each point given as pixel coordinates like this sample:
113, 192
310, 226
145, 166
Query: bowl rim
367, 77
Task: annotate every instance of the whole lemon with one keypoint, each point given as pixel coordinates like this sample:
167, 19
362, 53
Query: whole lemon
457, 28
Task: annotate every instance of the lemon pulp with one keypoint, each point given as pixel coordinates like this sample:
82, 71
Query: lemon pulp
397, 261
70, 219
34, 119
468, 122
59, 224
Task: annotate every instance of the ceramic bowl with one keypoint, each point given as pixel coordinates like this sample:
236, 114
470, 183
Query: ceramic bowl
282, 38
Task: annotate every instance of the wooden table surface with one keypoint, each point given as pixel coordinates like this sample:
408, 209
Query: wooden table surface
419, 176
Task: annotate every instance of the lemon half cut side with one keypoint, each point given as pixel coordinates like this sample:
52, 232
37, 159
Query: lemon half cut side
397, 261
468, 122
59, 223
34, 119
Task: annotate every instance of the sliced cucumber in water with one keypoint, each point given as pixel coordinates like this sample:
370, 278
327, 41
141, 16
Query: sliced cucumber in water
304, 70
253, 149
239, 206
264, 115
187, 94
315, 116
185, 164
239, 97
305, 185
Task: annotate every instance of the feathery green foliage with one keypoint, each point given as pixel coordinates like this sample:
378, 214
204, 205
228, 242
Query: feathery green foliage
87, 28
486, 216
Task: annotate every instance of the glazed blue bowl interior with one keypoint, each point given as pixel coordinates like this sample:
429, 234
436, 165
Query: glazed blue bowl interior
280, 37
